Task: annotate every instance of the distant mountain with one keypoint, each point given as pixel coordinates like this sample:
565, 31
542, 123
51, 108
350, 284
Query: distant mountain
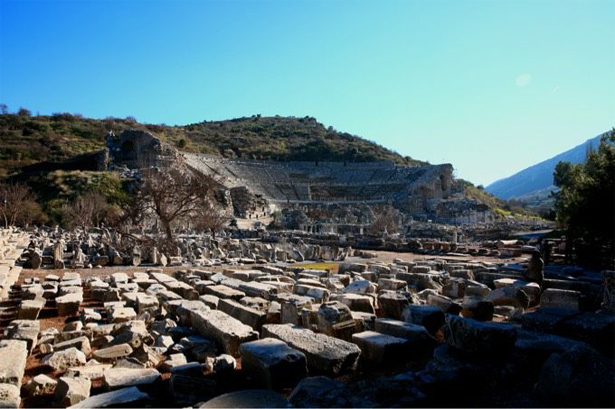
539, 177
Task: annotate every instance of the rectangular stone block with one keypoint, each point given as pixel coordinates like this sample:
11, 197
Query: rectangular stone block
325, 355
226, 331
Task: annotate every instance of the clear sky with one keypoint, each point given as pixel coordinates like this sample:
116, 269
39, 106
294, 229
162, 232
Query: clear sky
489, 86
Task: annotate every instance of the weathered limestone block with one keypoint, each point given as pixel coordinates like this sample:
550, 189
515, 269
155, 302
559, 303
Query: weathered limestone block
479, 338
564, 299
41, 385
91, 371
392, 284
122, 397
575, 377
271, 364
9, 396
25, 330
122, 315
81, 343
420, 343
69, 304
356, 302
115, 378
513, 296
324, 354
317, 293
429, 316
249, 316
113, 352
379, 349
226, 331
62, 360
335, 319
70, 391
13, 355
222, 291
444, 303
361, 287
392, 303
291, 309
29, 309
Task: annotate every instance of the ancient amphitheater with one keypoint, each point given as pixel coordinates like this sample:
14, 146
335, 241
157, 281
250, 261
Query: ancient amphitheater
422, 192
324, 182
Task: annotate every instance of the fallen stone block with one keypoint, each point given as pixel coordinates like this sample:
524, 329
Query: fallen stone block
577, 377
122, 397
41, 385
429, 316
69, 304
271, 364
249, 316
226, 331
13, 355
392, 304
251, 398
324, 354
70, 391
222, 292
81, 343
115, 378
113, 352
320, 392
9, 396
29, 309
481, 338
189, 390
420, 343
62, 360
562, 299
380, 349
24, 330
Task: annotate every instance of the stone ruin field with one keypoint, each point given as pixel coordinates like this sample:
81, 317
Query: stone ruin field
252, 324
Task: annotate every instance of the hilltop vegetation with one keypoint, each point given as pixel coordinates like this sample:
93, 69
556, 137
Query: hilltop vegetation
26, 139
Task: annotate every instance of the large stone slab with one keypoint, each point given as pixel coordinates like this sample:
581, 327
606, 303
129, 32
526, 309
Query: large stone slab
62, 360
420, 343
482, 338
271, 364
13, 356
249, 316
122, 377
378, 349
324, 354
113, 352
226, 331
24, 330
9, 396
69, 304
70, 391
118, 398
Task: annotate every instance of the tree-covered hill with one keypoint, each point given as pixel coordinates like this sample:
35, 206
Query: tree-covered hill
26, 139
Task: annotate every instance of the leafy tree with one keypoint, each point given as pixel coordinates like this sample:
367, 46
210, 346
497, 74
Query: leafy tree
585, 204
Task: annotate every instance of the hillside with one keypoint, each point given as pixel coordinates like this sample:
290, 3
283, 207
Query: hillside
539, 177
27, 139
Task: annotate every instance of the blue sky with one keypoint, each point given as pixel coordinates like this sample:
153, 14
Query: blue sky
489, 86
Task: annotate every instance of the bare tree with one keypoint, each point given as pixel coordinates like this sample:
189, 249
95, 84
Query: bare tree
32, 213
13, 196
387, 220
211, 219
172, 195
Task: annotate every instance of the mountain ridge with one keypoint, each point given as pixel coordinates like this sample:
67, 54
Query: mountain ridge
539, 177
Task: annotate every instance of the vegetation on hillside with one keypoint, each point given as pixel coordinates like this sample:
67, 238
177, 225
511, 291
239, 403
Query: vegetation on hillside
27, 139
500, 206
585, 203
